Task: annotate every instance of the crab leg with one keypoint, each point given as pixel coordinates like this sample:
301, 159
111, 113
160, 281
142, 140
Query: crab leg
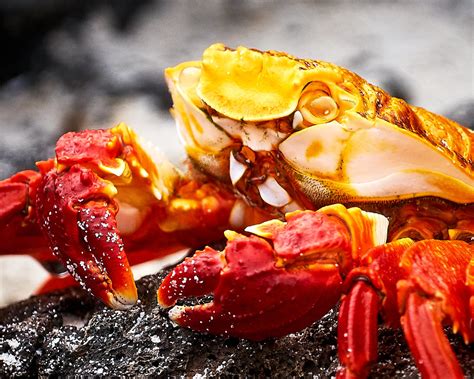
54, 283
357, 331
357, 325
19, 233
428, 344
436, 290
14, 193
424, 282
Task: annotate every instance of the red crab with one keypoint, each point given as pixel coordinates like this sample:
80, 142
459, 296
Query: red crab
271, 139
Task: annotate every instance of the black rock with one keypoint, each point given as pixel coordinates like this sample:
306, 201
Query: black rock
69, 333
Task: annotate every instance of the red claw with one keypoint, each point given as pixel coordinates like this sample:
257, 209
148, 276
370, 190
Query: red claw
260, 291
202, 271
67, 212
78, 217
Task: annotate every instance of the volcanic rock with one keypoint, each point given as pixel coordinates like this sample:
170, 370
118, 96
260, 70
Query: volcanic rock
70, 333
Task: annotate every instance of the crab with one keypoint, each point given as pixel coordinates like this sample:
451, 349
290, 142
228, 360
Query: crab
326, 188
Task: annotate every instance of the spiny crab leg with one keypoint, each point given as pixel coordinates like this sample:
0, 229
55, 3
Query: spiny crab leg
265, 287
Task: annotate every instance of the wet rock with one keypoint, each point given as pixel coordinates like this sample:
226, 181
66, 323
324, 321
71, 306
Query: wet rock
69, 333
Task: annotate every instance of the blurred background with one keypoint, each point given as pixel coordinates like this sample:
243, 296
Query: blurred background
70, 65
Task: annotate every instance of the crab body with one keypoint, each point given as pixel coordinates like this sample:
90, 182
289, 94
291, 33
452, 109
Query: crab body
276, 145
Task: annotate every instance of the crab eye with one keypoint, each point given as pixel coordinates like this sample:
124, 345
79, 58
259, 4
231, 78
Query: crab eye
316, 104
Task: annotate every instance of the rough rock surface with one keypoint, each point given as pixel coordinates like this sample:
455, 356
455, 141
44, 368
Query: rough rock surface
69, 333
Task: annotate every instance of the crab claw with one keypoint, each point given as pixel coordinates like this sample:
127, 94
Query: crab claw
95, 173
76, 211
77, 214
263, 288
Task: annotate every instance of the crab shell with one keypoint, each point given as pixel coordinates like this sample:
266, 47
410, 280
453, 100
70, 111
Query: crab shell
336, 137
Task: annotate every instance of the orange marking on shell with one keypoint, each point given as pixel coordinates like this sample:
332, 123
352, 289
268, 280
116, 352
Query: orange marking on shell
314, 149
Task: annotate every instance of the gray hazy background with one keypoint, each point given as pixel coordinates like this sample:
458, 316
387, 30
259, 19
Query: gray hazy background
71, 65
